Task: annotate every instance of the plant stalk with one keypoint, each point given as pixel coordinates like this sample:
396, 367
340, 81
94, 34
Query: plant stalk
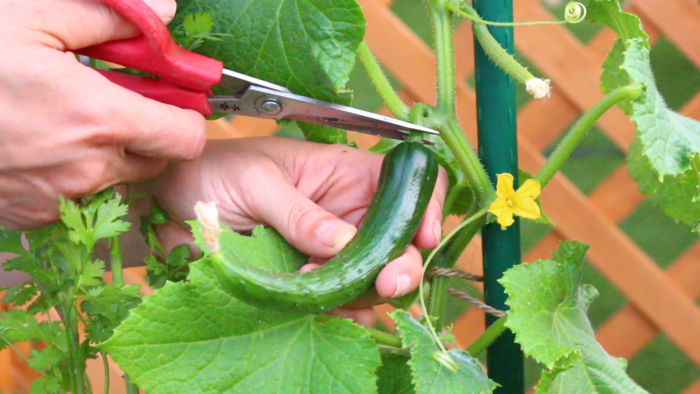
381, 83
444, 56
105, 365
437, 300
578, 131
498, 55
131, 387
115, 258
74, 355
491, 334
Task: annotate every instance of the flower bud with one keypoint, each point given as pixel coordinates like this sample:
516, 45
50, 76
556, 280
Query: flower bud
538, 88
208, 217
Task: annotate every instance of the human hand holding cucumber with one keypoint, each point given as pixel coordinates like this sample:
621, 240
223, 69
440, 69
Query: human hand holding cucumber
314, 195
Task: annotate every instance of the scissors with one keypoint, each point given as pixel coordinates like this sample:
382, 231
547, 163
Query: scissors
187, 79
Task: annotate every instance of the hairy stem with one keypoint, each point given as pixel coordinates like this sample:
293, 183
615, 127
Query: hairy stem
381, 83
578, 131
115, 258
451, 132
444, 57
498, 55
486, 339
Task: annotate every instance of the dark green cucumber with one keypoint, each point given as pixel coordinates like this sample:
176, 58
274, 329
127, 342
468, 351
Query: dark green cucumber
406, 183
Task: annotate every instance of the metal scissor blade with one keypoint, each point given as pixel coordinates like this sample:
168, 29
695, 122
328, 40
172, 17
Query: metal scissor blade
260, 102
239, 83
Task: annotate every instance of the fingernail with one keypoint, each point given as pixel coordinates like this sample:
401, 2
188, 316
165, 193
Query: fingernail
335, 234
164, 8
403, 282
437, 229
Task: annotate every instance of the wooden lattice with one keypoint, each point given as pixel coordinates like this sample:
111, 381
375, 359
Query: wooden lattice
659, 301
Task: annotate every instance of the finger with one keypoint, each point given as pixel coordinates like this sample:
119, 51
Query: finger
430, 231
304, 224
402, 275
75, 24
309, 267
364, 316
140, 125
140, 168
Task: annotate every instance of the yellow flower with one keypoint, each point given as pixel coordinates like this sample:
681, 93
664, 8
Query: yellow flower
510, 202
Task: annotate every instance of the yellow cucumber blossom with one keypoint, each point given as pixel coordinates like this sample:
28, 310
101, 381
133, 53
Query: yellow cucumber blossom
511, 202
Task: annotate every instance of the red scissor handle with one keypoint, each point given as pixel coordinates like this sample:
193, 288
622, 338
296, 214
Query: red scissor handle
155, 52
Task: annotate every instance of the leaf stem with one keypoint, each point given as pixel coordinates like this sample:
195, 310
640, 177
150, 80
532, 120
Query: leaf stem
437, 299
384, 337
486, 339
131, 387
575, 13
105, 365
78, 371
381, 83
115, 258
578, 131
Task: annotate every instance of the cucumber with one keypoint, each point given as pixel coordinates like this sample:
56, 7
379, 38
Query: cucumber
406, 183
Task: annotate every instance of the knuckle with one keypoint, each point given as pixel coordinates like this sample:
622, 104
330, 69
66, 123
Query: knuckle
195, 140
87, 180
301, 213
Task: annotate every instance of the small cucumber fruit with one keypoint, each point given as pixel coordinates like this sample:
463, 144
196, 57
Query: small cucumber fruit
406, 183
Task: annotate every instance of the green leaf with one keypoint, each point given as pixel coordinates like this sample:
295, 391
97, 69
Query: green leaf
609, 12
19, 326
548, 308
11, 242
92, 273
194, 337
663, 158
307, 46
198, 24
323, 134
106, 307
614, 76
20, 295
395, 375
100, 218
45, 386
429, 375
46, 358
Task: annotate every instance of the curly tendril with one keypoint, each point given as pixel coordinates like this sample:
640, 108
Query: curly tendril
575, 12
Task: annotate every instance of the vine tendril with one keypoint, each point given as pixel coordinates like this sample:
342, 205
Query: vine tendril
574, 12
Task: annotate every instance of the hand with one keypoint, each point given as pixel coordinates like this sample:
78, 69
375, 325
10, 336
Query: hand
314, 195
65, 129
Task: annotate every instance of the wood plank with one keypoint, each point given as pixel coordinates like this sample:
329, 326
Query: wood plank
7, 380
676, 19
693, 388
618, 196
254, 127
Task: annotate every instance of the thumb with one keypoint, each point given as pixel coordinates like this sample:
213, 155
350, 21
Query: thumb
77, 24
301, 222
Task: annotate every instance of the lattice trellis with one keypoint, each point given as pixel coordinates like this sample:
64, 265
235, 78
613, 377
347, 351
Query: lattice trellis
659, 301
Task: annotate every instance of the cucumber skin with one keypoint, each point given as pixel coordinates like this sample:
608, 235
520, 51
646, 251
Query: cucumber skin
408, 176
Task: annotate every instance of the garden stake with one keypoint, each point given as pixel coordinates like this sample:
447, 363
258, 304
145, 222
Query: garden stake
495, 96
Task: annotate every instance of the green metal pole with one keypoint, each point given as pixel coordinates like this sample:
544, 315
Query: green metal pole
495, 96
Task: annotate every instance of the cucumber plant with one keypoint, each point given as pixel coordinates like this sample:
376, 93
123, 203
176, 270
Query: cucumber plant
244, 321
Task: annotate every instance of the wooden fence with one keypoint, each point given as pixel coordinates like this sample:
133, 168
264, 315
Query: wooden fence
659, 301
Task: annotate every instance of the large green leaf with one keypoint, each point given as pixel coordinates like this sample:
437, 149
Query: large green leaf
663, 159
548, 308
307, 46
429, 375
192, 337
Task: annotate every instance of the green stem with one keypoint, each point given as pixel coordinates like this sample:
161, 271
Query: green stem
491, 334
115, 256
13, 347
578, 131
105, 365
451, 132
381, 83
437, 299
498, 55
379, 336
469, 13
421, 292
74, 354
444, 57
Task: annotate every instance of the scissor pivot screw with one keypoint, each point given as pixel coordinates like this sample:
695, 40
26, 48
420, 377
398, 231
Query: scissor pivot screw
271, 107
